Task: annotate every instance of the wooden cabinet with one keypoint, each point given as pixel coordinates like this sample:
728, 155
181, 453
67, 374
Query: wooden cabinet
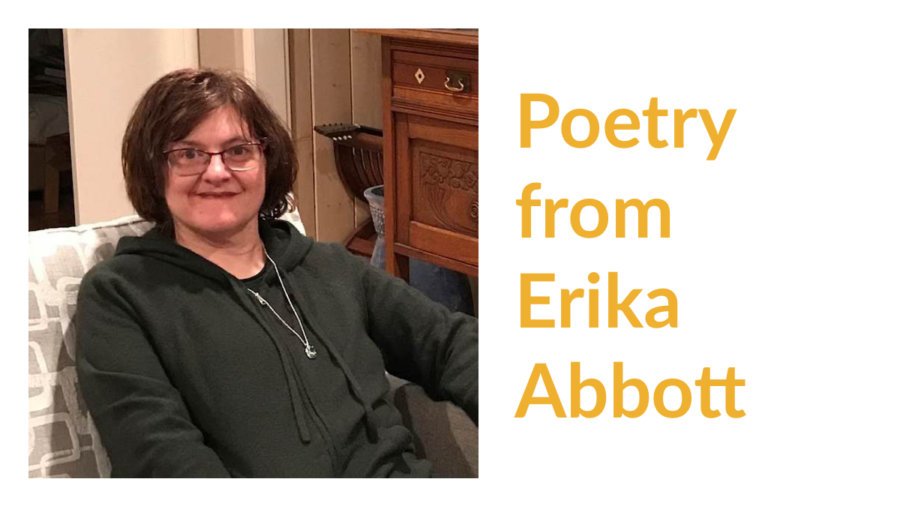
430, 93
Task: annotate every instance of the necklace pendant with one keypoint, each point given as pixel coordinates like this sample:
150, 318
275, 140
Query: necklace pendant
310, 351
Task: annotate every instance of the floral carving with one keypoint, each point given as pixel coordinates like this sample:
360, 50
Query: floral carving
448, 172
451, 190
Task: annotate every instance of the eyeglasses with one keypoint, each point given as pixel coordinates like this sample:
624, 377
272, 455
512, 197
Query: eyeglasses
193, 161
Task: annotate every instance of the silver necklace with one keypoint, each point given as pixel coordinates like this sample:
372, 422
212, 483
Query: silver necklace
310, 349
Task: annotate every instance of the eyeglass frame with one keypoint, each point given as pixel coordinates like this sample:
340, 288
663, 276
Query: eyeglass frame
261, 142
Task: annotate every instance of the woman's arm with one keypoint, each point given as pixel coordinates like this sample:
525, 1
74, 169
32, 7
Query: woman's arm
422, 341
143, 422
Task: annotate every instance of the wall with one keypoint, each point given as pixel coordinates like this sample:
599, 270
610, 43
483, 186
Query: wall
107, 71
260, 55
335, 78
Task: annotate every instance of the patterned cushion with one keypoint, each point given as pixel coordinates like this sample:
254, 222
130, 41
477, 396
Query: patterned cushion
62, 439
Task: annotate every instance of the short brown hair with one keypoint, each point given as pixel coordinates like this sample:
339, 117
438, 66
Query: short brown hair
169, 111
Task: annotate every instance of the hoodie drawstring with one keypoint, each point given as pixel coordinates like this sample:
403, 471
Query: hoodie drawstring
355, 389
371, 429
283, 355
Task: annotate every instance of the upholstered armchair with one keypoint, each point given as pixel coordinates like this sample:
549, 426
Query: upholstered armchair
62, 439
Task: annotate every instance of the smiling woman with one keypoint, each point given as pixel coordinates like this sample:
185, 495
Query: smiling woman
225, 343
215, 199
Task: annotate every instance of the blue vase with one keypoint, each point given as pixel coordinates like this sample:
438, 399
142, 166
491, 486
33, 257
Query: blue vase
445, 286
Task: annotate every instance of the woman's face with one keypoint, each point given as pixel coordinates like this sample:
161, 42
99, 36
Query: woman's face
218, 203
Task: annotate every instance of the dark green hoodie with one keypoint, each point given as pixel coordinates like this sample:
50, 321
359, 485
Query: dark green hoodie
185, 373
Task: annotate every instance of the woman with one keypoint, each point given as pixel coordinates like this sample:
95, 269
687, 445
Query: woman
225, 343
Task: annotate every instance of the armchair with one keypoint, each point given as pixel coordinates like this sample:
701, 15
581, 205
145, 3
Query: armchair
62, 439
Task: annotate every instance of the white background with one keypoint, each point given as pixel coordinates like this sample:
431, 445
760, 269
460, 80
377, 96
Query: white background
783, 252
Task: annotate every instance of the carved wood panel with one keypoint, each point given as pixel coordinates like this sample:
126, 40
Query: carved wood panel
445, 186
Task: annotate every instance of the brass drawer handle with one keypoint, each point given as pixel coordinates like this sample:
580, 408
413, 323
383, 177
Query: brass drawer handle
453, 88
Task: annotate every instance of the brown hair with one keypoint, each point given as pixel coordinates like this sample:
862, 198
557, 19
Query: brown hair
171, 108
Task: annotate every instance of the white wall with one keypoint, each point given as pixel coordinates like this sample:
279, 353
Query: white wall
271, 72
336, 78
107, 72
260, 55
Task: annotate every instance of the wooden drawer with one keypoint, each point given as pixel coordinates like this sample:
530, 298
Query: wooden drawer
437, 187
430, 82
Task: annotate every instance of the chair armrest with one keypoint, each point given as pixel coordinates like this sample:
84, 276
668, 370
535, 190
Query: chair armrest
443, 433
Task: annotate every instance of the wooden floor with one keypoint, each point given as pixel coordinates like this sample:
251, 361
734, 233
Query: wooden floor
39, 220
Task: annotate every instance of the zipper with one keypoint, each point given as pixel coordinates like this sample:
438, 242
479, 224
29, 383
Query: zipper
368, 415
310, 406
